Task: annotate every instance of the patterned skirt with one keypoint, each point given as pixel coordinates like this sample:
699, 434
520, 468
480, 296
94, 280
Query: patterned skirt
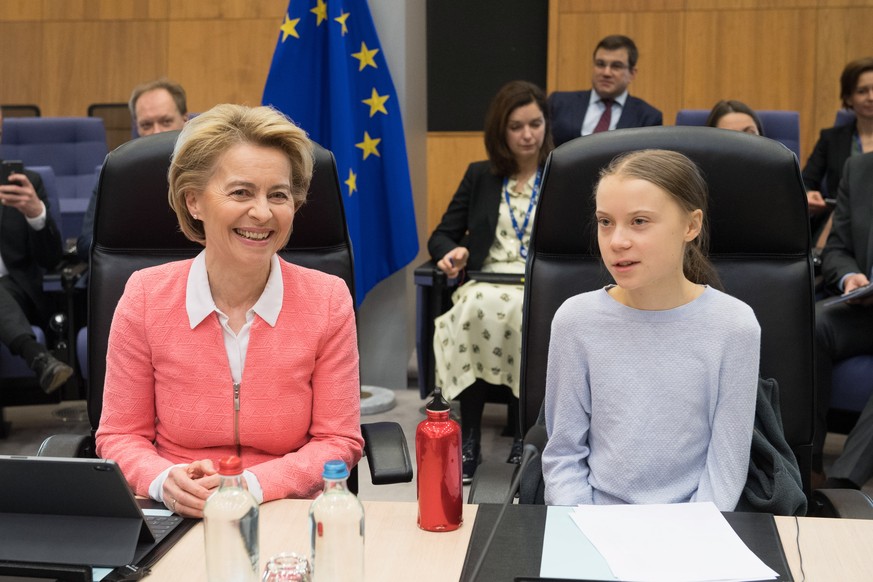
479, 337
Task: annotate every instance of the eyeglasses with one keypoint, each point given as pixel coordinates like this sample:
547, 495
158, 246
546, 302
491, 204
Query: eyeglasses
616, 66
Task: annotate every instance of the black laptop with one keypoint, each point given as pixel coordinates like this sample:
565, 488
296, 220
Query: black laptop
75, 511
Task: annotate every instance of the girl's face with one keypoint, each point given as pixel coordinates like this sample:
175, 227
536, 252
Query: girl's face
642, 232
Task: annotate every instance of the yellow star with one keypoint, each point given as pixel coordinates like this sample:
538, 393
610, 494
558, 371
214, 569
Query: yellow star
366, 57
368, 146
320, 11
376, 103
342, 20
352, 182
289, 28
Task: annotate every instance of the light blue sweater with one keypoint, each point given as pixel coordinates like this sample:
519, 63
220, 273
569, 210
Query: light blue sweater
650, 406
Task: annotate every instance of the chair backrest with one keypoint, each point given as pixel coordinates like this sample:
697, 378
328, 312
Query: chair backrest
760, 245
135, 228
116, 120
72, 146
21, 110
783, 126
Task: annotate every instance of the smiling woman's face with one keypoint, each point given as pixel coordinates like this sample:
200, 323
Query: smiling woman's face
246, 207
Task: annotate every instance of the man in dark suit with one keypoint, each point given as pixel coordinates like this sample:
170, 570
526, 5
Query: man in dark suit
608, 105
846, 329
29, 240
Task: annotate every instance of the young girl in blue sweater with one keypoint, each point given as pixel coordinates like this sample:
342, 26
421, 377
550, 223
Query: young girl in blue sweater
651, 382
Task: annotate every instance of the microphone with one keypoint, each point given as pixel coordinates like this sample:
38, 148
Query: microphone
529, 453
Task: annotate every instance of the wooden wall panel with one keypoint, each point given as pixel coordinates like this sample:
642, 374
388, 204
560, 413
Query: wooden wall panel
109, 59
772, 54
83, 10
766, 59
748, 4
21, 42
841, 36
659, 36
228, 9
13, 10
448, 155
565, 6
217, 63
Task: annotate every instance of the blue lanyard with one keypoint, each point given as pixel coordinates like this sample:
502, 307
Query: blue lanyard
519, 232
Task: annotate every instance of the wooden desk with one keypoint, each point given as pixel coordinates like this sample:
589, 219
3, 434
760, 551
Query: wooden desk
395, 548
833, 549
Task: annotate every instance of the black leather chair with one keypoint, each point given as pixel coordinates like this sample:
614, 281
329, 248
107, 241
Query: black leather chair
135, 228
760, 245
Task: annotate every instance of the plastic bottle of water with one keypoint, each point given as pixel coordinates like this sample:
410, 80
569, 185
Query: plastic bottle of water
336, 521
230, 518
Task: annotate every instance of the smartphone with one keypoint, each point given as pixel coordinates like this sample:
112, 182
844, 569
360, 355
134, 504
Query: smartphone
8, 167
830, 201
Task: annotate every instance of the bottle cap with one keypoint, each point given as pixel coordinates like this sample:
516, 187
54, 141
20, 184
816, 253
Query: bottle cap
438, 404
230, 466
335, 470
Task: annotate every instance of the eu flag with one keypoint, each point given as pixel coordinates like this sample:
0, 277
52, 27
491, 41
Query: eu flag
330, 76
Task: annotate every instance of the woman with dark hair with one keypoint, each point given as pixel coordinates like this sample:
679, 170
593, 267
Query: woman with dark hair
487, 227
836, 144
735, 115
661, 344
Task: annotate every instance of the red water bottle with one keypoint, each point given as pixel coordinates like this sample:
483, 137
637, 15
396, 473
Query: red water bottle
438, 456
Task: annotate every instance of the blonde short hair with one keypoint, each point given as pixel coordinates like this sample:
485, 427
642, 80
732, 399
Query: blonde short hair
208, 136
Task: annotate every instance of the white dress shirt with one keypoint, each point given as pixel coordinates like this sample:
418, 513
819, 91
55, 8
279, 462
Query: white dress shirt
595, 111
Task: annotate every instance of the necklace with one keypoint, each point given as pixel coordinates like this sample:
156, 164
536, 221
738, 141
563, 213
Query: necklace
519, 231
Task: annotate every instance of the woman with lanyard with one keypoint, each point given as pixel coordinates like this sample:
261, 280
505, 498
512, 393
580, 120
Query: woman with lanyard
477, 343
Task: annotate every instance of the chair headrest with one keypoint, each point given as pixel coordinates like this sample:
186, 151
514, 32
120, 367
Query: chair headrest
755, 208
133, 212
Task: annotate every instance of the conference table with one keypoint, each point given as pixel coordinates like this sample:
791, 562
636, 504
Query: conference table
396, 549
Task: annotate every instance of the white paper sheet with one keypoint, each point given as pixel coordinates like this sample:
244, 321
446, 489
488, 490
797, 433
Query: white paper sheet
684, 542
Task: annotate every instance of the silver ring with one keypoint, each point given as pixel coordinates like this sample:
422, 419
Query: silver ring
174, 505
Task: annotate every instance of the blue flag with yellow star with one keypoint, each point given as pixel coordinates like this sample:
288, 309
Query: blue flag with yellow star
330, 76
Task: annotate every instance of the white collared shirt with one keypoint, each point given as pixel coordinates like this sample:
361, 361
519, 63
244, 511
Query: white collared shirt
200, 305
595, 111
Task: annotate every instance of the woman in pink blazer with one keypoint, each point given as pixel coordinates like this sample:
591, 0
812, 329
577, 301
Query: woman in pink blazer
235, 351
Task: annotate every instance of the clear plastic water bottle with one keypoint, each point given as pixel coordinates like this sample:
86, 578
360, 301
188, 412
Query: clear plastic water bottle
336, 521
230, 519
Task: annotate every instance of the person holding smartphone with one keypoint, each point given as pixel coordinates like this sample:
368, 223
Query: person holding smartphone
30, 241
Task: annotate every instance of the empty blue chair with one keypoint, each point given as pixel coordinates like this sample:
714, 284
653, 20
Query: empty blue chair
73, 146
